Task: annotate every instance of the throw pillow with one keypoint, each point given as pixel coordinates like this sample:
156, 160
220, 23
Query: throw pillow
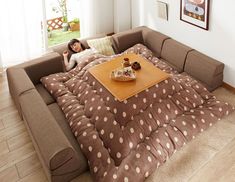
102, 45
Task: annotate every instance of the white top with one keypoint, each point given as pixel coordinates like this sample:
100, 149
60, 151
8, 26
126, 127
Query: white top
77, 57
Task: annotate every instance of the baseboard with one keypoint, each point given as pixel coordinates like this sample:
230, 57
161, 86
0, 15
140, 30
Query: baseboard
229, 87
109, 34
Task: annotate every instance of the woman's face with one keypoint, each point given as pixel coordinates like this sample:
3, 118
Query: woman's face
76, 47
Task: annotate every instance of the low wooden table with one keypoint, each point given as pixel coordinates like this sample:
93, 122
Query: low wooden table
146, 77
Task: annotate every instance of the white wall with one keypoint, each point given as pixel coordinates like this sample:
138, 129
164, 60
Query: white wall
105, 16
218, 42
96, 17
122, 15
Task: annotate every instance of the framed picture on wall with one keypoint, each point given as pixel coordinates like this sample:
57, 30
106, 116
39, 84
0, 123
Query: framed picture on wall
195, 12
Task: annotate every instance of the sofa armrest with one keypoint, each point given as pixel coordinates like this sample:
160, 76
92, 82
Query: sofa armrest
42, 66
56, 151
18, 83
205, 69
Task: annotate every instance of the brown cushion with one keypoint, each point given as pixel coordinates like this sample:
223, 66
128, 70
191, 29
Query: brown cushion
63, 123
43, 127
154, 41
85, 177
18, 79
44, 65
205, 69
56, 150
125, 40
18, 83
175, 53
46, 96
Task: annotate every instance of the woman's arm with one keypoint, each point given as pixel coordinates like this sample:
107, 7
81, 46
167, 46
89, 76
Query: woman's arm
68, 63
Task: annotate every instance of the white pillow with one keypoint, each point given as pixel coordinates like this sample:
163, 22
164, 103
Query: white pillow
82, 54
102, 45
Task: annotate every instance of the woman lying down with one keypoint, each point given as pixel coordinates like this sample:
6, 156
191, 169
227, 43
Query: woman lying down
78, 52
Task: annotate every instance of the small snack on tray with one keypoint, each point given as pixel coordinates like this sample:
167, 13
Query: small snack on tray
123, 74
126, 62
135, 66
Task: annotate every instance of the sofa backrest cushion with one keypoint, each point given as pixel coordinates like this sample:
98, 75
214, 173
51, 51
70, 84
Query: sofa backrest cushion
44, 65
175, 53
126, 39
154, 41
205, 69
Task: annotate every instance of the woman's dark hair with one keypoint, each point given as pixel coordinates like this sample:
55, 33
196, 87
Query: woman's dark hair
73, 41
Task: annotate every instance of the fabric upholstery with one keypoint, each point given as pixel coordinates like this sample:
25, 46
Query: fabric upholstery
44, 65
62, 122
171, 65
205, 69
56, 150
46, 96
49, 135
154, 41
18, 79
102, 45
175, 53
111, 133
127, 39
18, 83
85, 177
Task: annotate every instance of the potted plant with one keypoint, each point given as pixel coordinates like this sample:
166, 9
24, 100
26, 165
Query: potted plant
62, 8
74, 25
65, 24
49, 32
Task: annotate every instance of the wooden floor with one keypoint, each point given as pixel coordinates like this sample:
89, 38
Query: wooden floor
19, 162
18, 159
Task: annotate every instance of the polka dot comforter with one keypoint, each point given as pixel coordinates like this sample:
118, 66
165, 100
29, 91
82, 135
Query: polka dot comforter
127, 141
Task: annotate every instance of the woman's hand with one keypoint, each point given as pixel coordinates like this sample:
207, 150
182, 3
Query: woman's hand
65, 54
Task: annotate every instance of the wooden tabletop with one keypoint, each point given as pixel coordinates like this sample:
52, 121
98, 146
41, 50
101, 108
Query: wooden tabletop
146, 77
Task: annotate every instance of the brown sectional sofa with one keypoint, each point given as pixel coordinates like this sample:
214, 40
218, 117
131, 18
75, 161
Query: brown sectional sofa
55, 144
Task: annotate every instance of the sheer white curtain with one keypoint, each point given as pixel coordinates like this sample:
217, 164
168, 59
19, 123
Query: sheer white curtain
88, 17
21, 31
1, 65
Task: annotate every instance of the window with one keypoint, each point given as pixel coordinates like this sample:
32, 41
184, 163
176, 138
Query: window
63, 20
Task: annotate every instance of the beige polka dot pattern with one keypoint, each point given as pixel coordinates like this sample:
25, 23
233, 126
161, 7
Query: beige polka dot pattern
127, 141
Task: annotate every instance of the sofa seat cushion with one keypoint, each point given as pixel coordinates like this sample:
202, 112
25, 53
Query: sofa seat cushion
47, 98
62, 122
175, 53
85, 177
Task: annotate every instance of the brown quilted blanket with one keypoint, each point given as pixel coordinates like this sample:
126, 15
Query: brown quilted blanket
127, 141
